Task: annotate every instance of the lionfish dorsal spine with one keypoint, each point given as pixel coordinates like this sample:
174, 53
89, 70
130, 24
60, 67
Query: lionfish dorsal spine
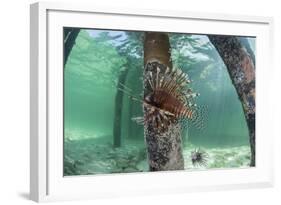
175, 84
150, 80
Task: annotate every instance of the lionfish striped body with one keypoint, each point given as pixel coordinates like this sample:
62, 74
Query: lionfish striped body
168, 98
169, 103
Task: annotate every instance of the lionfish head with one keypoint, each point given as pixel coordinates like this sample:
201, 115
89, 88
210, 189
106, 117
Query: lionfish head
149, 98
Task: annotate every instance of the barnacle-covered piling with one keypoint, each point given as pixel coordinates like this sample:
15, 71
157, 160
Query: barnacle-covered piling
167, 101
164, 147
241, 69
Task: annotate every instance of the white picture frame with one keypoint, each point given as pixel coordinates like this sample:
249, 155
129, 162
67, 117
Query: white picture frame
46, 176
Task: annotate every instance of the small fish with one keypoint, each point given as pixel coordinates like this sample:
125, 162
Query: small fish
199, 157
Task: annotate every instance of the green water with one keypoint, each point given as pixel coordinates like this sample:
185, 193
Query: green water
90, 77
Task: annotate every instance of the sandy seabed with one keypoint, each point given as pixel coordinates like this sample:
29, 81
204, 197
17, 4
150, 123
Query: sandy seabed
94, 156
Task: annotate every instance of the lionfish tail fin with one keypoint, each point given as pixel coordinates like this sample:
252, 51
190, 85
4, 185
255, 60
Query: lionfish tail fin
199, 117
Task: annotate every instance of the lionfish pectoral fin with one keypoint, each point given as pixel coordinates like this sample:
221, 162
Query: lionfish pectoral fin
128, 92
199, 117
184, 123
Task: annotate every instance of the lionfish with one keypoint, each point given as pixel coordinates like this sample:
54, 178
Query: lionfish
168, 99
199, 157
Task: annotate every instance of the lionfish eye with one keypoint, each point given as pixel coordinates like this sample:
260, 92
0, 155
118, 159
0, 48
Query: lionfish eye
148, 98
